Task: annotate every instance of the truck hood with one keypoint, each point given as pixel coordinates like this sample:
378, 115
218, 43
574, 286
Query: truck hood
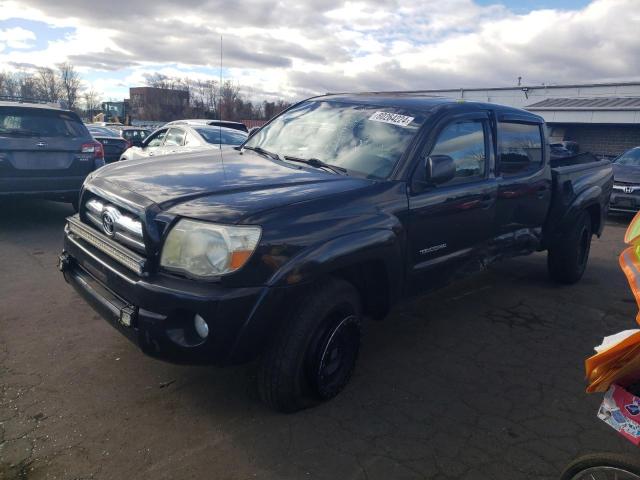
224, 186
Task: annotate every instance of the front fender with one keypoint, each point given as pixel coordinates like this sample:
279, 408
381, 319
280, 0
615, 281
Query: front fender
341, 252
314, 262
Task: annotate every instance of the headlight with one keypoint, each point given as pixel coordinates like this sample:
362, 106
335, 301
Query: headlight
206, 250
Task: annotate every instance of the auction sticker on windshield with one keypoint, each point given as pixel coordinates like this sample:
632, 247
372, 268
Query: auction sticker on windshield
392, 118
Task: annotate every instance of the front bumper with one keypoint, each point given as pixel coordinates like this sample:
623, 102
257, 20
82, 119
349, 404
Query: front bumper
624, 202
158, 315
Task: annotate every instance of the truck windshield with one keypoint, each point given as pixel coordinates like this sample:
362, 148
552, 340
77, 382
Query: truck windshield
364, 139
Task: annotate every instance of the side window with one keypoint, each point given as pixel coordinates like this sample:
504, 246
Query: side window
464, 141
157, 138
175, 137
519, 148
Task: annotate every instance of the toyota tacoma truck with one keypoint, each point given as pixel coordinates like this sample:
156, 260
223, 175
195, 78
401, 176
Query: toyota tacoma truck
333, 212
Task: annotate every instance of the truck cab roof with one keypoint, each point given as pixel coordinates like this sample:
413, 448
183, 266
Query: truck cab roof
425, 103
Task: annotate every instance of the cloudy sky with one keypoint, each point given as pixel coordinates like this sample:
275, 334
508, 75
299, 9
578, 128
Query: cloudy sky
294, 49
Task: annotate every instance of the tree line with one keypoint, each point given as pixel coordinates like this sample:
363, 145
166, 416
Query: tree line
60, 85
206, 98
210, 99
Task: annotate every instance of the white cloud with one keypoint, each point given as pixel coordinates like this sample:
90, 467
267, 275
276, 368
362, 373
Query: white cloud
17, 38
306, 47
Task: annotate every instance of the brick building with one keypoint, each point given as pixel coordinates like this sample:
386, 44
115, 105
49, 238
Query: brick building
603, 118
158, 104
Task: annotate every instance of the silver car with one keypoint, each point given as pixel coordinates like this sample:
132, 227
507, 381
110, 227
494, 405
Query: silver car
183, 139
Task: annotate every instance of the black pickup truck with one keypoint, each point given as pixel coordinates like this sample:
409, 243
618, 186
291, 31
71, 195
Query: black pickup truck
334, 211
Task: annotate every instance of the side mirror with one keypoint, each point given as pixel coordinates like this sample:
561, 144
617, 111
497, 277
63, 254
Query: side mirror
440, 169
253, 131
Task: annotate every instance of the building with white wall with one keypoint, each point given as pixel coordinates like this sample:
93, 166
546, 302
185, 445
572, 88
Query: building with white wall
603, 118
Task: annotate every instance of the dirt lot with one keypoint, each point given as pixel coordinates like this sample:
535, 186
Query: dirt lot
483, 380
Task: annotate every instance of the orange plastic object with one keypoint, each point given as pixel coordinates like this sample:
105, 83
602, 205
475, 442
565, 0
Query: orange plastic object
614, 365
630, 263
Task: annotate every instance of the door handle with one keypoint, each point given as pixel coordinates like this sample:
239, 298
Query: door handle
541, 192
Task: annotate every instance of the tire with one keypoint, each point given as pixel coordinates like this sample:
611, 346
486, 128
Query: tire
603, 466
312, 356
567, 258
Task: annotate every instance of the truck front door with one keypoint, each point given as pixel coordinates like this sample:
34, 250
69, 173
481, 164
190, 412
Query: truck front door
450, 223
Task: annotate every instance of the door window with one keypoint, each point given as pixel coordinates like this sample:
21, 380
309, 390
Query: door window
175, 137
157, 138
519, 148
464, 142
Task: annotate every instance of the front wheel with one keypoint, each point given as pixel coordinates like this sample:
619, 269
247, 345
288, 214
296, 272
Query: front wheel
313, 354
603, 466
567, 257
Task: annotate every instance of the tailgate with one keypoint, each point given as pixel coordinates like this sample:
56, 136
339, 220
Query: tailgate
44, 156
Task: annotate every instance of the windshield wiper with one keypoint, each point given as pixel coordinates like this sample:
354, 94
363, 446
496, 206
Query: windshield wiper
317, 163
264, 152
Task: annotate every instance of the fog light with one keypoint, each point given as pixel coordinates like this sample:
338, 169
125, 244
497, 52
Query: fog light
201, 326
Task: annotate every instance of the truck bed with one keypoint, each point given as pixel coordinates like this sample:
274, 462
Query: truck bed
579, 182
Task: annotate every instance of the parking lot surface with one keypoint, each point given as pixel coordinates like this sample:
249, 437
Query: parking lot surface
482, 380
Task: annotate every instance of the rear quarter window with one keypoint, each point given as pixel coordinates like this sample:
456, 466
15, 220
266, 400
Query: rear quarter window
35, 122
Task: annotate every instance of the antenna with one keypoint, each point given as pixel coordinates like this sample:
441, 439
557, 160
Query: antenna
220, 101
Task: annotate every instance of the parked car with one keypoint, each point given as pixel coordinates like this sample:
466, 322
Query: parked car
134, 135
558, 150
112, 143
182, 138
45, 152
214, 123
626, 182
337, 209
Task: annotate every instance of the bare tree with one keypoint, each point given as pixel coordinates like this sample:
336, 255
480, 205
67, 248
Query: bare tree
48, 84
70, 81
9, 84
92, 102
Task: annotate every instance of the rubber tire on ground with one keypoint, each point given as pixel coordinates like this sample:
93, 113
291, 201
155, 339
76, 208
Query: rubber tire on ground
284, 383
567, 258
629, 463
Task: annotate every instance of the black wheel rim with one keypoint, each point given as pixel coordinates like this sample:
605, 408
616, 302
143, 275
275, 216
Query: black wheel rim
605, 473
336, 356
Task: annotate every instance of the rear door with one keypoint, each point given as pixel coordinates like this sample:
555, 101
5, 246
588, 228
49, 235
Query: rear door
524, 181
37, 142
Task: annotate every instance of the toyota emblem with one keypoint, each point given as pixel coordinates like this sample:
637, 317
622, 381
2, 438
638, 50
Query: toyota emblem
108, 223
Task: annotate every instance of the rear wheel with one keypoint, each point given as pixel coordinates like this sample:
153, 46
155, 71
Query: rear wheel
312, 356
567, 258
604, 466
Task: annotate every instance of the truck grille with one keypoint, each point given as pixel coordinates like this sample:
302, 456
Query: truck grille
115, 223
77, 230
